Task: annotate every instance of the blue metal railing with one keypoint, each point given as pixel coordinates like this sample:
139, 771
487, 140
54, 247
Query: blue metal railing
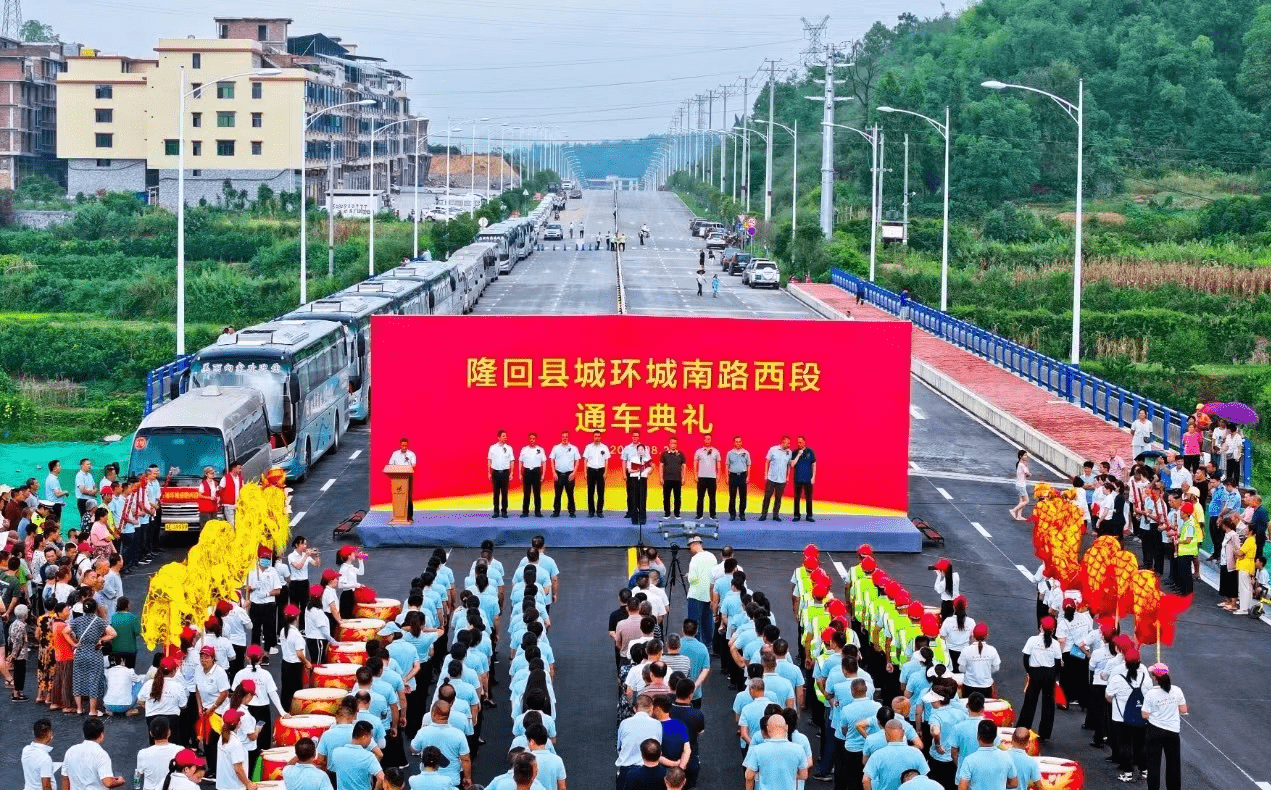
1115, 404
167, 382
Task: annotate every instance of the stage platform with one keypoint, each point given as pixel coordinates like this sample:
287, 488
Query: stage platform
466, 530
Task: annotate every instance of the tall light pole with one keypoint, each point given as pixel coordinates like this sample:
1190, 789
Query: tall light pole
871, 137
415, 212
185, 94
943, 129
1074, 112
794, 172
767, 177
388, 188
304, 230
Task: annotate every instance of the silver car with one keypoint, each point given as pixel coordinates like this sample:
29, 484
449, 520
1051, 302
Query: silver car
761, 272
715, 241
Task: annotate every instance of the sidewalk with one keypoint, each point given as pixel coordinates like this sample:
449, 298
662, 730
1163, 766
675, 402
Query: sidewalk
1081, 432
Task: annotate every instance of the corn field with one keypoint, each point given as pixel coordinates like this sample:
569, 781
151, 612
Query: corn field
1136, 273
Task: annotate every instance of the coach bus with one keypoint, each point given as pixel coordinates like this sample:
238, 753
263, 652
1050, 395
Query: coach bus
500, 235
354, 311
476, 265
210, 426
444, 294
408, 297
301, 368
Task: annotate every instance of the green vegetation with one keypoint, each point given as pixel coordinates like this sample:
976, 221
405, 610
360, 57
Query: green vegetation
98, 294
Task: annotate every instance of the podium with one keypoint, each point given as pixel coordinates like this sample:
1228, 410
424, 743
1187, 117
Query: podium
400, 483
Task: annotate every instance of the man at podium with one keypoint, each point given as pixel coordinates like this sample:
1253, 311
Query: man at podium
404, 456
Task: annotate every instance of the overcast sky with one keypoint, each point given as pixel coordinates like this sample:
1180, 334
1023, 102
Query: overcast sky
596, 70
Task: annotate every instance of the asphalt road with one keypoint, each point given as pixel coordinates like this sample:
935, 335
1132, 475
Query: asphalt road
960, 482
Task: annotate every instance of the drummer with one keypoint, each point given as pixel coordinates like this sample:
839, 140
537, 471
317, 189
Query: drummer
331, 599
266, 693
351, 567
304, 774
1026, 765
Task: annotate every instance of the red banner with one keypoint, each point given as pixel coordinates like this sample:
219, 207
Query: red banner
450, 383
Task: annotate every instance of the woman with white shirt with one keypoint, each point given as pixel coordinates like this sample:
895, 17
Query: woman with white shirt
295, 662
1163, 708
185, 771
1121, 685
249, 729
947, 585
1073, 626
957, 630
211, 695
1100, 646
266, 692
299, 561
317, 627
1042, 654
164, 695
1021, 484
231, 755
1140, 435
979, 661
351, 567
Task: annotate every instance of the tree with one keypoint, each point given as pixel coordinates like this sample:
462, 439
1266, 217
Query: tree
35, 30
868, 59
1254, 77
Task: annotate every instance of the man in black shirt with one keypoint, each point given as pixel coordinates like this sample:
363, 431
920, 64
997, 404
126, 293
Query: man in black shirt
694, 721
671, 465
650, 774
617, 616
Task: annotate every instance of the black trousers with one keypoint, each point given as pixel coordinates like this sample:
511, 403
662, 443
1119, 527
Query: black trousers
1041, 683
595, 491
849, 767
944, 774
291, 680
1130, 746
1075, 679
299, 592
1097, 712
772, 491
263, 715
499, 480
671, 496
637, 498
264, 624
802, 490
736, 491
564, 482
706, 488
532, 485
1163, 742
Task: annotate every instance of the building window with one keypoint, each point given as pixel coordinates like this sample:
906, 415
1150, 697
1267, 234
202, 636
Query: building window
257, 90
224, 147
104, 116
196, 90
103, 163
196, 61
105, 140
258, 120
256, 147
196, 148
196, 119
224, 90
225, 120
172, 147
196, 173
262, 33
105, 92
224, 31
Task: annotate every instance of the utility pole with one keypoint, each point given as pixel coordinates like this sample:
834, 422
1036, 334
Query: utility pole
905, 238
767, 175
745, 139
827, 150
710, 126
877, 199
723, 141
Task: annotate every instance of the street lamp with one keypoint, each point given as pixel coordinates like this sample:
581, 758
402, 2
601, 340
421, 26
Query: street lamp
794, 171
388, 185
875, 208
943, 129
304, 231
1074, 112
185, 94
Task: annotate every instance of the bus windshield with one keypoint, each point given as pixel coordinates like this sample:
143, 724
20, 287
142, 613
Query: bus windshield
270, 380
186, 449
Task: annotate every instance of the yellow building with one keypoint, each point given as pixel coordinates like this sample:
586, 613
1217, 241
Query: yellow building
120, 119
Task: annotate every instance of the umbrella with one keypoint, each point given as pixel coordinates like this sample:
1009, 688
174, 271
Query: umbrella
1212, 408
1237, 413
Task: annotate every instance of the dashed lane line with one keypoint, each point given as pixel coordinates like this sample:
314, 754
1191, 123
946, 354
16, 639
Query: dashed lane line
944, 493
295, 519
980, 529
1027, 573
327, 484
355, 454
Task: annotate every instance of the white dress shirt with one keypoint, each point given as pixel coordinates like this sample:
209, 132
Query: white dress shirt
399, 458
596, 455
86, 764
152, 763
261, 584
532, 456
565, 458
500, 457
37, 764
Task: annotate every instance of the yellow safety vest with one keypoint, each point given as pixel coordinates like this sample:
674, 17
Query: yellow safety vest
1189, 537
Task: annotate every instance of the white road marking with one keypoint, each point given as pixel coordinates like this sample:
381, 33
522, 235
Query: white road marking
917, 413
944, 493
327, 484
980, 529
355, 454
1027, 573
295, 519
838, 566
1263, 785
915, 466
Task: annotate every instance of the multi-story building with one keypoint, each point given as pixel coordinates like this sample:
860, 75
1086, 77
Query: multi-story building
28, 109
250, 104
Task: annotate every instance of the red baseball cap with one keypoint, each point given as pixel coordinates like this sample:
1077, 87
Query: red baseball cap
169, 664
809, 561
836, 608
865, 550
811, 549
820, 590
868, 565
981, 631
255, 651
1048, 622
330, 575
941, 565
208, 650
827, 634
188, 633
232, 716
210, 623
315, 591
290, 611
264, 552
224, 607
188, 758
248, 685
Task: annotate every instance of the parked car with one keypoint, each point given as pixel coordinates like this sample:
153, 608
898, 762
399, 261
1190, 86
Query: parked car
715, 241
761, 271
553, 233
724, 257
575, 193
705, 229
736, 262
694, 223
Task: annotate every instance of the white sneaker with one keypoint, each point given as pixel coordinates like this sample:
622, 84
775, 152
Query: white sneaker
1128, 776
273, 651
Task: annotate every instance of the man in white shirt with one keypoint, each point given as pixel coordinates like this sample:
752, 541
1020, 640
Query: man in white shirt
85, 487
596, 456
53, 491
263, 584
152, 761
404, 456
565, 458
706, 469
532, 460
499, 471
37, 763
86, 765
231, 484
634, 731
778, 469
636, 465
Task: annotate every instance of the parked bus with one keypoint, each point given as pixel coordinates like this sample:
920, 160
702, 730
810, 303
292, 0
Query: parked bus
408, 297
476, 265
211, 426
354, 311
500, 235
302, 370
445, 297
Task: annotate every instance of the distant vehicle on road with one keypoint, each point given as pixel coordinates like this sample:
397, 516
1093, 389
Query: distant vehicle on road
553, 233
694, 223
761, 271
705, 229
735, 261
715, 241
575, 193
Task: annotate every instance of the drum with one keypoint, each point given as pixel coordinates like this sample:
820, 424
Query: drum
318, 700
333, 676
1034, 743
273, 784
1061, 774
346, 652
274, 760
359, 629
1000, 712
380, 609
289, 729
